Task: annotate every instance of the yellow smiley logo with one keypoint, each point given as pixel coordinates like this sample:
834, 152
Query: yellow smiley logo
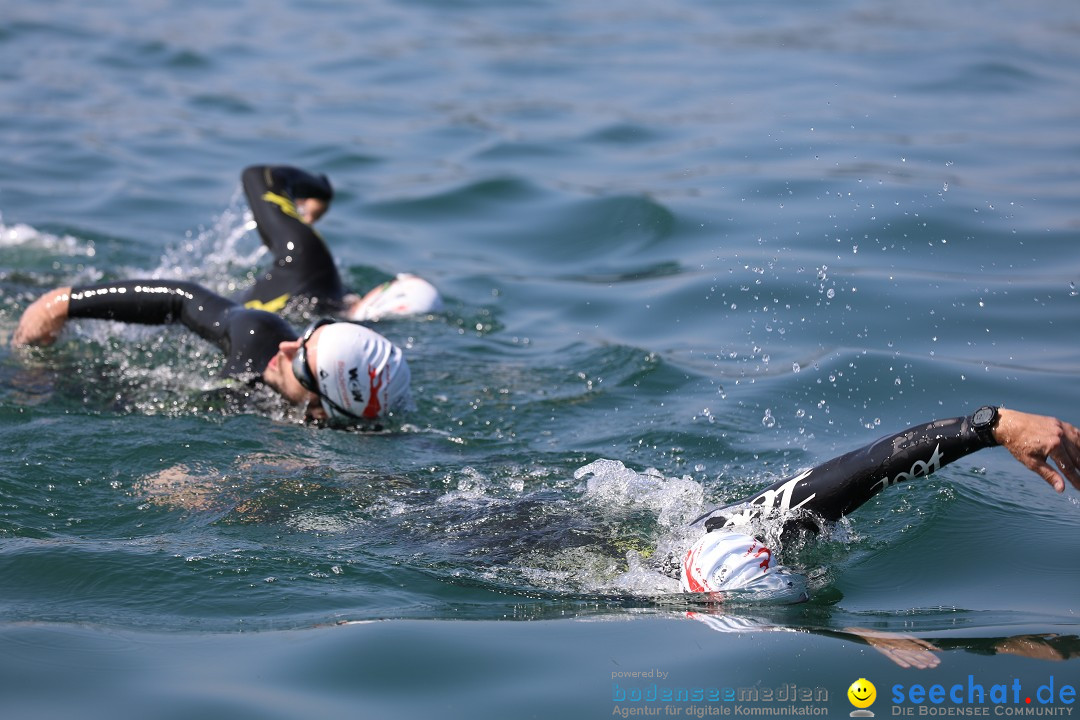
862, 693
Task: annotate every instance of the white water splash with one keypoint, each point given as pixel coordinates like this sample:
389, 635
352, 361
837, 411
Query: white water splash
22, 235
675, 501
221, 256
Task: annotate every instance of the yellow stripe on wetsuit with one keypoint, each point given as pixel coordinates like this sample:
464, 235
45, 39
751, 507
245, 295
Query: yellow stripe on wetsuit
273, 305
285, 203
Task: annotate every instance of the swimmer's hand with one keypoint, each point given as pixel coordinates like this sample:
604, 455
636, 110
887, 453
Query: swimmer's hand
42, 322
1032, 646
1034, 440
311, 209
907, 651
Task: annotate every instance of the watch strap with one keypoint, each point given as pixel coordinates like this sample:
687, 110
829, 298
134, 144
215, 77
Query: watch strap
983, 422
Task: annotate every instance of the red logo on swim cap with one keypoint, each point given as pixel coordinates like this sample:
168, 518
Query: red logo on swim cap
374, 407
689, 570
762, 551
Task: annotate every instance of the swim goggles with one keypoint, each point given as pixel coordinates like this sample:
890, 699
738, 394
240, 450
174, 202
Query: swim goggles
303, 373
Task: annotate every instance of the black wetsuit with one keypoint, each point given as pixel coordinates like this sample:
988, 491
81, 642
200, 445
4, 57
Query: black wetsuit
249, 338
303, 265
839, 486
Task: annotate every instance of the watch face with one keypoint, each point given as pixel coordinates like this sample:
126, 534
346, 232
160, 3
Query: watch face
983, 416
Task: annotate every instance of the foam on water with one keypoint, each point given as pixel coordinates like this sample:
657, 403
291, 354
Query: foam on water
21, 234
674, 501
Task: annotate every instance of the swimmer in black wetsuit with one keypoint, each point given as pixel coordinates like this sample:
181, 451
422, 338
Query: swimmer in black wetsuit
730, 556
341, 372
286, 202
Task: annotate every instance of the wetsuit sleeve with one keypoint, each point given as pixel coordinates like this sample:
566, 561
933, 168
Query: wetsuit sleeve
248, 338
156, 302
303, 264
841, 485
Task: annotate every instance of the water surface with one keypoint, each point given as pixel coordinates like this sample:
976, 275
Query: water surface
704, 244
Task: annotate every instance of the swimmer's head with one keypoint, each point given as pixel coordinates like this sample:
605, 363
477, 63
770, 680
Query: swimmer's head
361, 376
724, 561
404, 295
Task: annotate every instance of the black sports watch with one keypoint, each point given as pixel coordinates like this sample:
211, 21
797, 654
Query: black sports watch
983, 422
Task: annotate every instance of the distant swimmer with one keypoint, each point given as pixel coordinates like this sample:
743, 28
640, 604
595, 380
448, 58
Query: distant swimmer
731, 555
286, 202
341, 372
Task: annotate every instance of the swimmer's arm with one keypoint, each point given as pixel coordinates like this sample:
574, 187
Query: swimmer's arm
1033, 440
839, 486
146, 302
284, 201
843, 484
308, 194
42, 322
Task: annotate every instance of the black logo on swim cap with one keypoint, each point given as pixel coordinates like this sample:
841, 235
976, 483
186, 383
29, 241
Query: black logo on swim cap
355, 388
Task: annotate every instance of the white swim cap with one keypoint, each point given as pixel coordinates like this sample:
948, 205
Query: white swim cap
404, 295
725, 561
361, 373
